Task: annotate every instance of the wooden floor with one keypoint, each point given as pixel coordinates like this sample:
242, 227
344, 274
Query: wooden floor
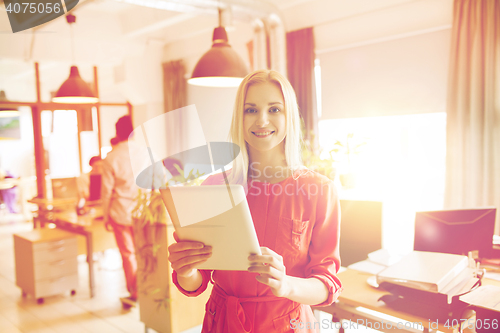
66, 313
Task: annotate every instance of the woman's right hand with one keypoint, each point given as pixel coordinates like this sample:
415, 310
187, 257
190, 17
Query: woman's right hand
185, 256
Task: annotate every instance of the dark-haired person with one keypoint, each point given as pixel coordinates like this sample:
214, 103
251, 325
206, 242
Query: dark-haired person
118, 190
114, 141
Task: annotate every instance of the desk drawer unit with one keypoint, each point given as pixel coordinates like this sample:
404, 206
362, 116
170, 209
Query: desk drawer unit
46, 262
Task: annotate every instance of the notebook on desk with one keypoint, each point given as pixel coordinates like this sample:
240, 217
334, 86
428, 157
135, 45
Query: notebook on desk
430, 271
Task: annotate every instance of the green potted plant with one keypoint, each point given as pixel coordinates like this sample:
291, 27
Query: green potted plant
312, 160
345, 151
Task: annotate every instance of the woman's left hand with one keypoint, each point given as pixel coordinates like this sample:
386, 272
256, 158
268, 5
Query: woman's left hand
272, 271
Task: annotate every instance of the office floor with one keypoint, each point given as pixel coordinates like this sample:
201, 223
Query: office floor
65, 313
79, 313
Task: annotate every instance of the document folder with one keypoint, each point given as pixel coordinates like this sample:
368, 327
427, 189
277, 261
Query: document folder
455, 231
429, 271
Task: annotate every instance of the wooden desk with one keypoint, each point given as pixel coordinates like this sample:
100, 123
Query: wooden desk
91, 226
357, 293
8, 183
47, 207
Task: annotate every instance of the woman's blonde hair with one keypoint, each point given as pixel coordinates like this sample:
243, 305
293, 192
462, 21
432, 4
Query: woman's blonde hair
293, 136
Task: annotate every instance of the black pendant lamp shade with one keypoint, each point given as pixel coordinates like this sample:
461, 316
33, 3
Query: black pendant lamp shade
74, 90
7, 110
221, 66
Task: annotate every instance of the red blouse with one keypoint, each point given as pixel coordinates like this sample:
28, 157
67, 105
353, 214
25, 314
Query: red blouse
299, 218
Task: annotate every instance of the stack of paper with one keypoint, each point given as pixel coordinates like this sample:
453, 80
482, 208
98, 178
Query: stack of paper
376, 262
429, 271
487, 297
384, 257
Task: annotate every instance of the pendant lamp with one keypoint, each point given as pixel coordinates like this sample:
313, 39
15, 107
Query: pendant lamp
7, 111
220, 66
74, 89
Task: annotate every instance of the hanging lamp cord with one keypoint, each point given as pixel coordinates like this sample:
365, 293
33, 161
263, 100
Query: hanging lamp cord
70, 18
72, 45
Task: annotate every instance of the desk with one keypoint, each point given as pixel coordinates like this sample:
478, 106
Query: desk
47, 207
91, 226
8, 183
357, 293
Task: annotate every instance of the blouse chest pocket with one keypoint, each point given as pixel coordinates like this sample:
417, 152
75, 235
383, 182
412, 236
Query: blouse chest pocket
292, 238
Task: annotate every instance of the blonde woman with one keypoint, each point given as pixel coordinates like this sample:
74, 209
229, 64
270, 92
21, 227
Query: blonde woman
296, 216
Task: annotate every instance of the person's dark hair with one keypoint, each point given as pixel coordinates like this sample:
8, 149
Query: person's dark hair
94, 159
114, 141
123, 128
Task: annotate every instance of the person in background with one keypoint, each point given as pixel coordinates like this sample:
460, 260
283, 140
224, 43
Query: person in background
9, 194
118, 190
114, 141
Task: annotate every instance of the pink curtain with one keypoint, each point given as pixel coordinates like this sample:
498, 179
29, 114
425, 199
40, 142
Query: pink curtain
250, 54
473, 108
300, 66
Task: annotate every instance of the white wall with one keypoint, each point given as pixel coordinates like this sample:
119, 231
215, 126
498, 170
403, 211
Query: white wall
402, 76
215, 109
338, 22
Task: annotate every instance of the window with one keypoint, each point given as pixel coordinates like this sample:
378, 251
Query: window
401, 162
317, 81
60, 140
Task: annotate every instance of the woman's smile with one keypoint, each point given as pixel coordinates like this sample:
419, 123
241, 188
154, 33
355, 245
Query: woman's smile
264, 119
263, 134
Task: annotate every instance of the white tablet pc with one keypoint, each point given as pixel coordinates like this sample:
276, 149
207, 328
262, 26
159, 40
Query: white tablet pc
216, 215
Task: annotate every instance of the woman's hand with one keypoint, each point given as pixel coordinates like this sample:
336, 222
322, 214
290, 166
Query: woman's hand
185, 256
272, 271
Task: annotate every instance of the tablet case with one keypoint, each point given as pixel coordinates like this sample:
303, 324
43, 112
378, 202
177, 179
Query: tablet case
216, 215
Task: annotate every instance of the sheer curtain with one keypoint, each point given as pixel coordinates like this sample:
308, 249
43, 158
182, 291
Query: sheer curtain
473, 108
175, 97
300, 66
174, 85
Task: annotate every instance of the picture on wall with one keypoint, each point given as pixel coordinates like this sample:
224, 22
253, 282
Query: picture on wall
9, 128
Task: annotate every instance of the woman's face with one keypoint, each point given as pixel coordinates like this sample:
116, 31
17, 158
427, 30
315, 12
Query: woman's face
264, 119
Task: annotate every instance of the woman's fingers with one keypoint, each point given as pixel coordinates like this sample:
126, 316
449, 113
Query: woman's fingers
186, 262
175, 256
184, 256
268, 257
185, 245
271, 271
266, 250
190, 261
266, 271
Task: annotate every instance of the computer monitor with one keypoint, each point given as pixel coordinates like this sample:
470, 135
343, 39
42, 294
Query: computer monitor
64, 188
455, 231
95, 187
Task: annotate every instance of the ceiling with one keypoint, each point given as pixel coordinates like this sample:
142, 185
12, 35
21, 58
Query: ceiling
171, 20
168, 21
107, 31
